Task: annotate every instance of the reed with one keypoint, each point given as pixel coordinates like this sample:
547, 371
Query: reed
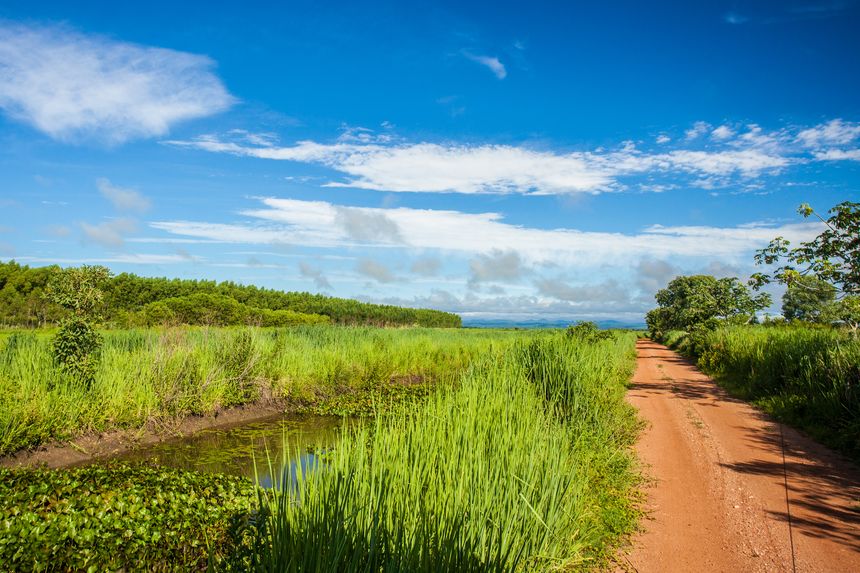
155, 375
525, 464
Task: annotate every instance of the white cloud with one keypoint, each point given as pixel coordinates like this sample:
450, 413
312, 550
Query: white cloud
123, 199
654, 274
130, 258
838, 155
497, 265
722, 132
491, 62
429, 167
607, 292
73, 86
313, 224
663, 138
375, 270
367, 225
110, 233
834, 132
699, 129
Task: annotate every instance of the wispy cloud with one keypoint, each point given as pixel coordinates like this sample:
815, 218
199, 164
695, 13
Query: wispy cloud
109, 234
310, 272
73, 86
375, 270
501, 169
496, 266
130, 258
834, 132
735, 18
122, 198
426, 266
313, 224
490, 62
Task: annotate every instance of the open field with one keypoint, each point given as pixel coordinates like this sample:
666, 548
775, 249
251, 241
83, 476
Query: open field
158, 375
525, 461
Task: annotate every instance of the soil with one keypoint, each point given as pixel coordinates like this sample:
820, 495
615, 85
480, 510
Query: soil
89, 447
717, 498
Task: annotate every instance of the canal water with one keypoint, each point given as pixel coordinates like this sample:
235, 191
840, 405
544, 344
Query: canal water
258, 450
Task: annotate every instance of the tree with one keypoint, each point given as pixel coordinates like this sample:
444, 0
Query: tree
691, 301
833, 256
808, 298
77, 343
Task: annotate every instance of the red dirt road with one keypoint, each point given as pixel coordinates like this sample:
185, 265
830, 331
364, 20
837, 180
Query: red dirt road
718, 497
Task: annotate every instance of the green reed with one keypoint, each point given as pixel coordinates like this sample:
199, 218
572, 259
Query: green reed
525, 464
157, 375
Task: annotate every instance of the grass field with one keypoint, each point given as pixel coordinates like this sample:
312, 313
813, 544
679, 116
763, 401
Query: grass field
523, 465
155, 375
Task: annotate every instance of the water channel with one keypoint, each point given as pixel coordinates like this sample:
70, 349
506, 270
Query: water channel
258, 450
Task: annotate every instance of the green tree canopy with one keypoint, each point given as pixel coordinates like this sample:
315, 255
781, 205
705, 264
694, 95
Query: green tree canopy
808, 298
79, 289
833, 256
689, 301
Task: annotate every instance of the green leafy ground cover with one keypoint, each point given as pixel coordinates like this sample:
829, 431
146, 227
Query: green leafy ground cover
118, 518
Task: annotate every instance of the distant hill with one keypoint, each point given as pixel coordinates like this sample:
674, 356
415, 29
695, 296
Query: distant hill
133, 300
545, 323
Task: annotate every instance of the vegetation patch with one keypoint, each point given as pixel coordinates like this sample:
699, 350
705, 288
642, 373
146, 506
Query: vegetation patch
524, 464
117, 518
154, 376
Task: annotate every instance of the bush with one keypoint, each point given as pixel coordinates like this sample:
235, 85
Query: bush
76, 346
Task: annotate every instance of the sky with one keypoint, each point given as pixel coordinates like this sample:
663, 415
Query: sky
537, 161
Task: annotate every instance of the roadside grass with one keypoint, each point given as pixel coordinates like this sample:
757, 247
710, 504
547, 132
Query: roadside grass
153, 376
524, 464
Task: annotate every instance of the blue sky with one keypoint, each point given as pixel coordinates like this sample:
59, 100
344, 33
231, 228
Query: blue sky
539, 161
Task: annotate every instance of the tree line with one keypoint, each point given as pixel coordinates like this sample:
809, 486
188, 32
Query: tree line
131, 300
822, 279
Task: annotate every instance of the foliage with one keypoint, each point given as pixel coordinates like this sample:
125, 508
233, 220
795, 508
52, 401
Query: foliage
833, 256
806, 376
76, 349
153, 375
79, 289
116, 518
587, 331
127, 300
525, 464
218, 310
845, 311
807, 298
703, 300
76, 344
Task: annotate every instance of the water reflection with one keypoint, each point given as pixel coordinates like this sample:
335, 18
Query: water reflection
270, 445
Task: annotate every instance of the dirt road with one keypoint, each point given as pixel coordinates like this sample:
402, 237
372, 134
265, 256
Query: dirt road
718, 497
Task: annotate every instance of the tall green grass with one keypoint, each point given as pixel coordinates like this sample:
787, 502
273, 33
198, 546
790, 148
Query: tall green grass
525, 464
156, 375
808, 377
